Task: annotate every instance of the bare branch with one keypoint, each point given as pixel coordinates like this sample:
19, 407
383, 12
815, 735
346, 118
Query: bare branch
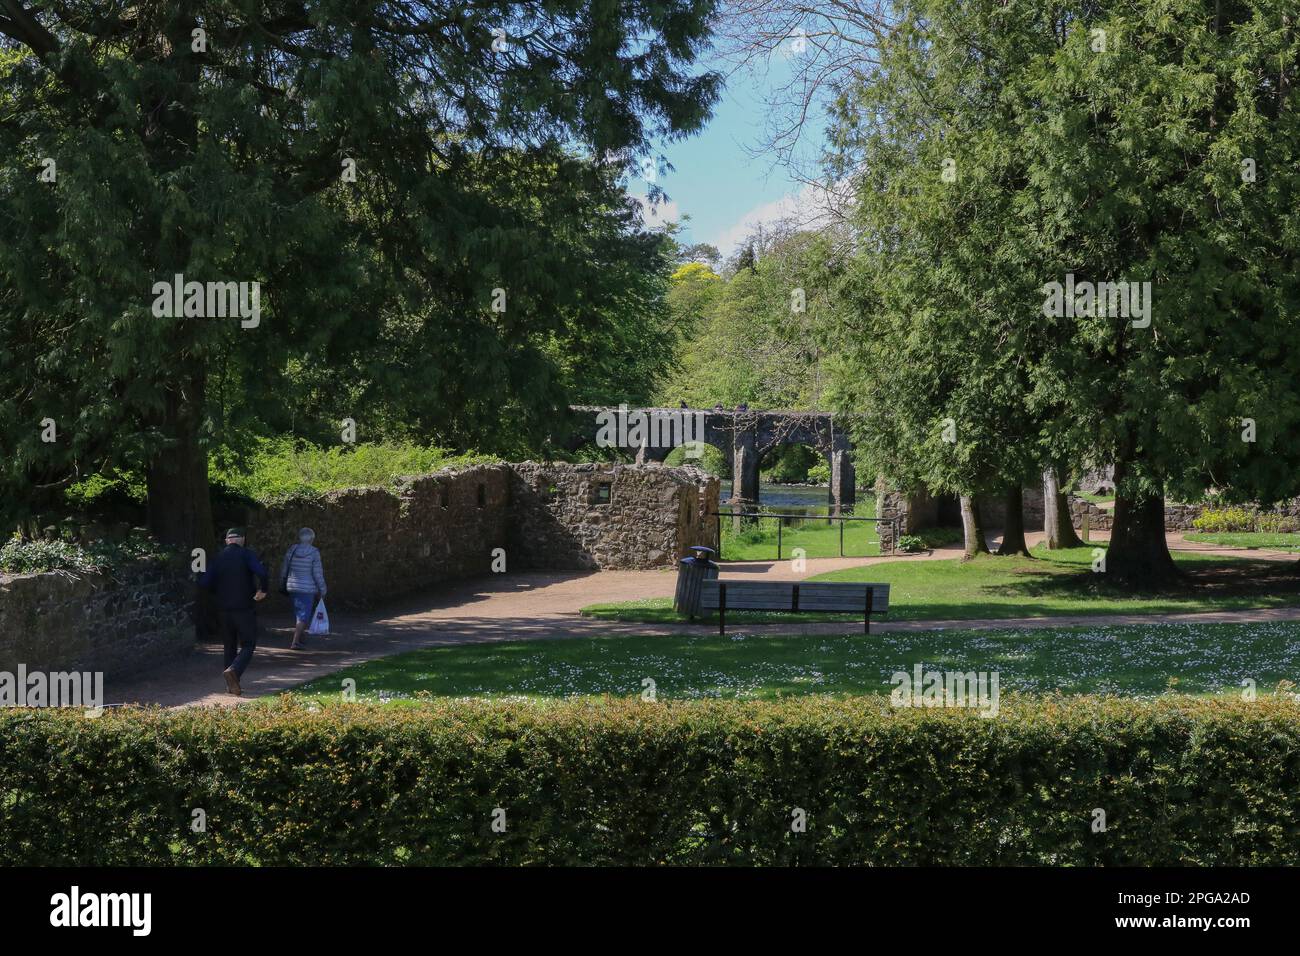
21, 25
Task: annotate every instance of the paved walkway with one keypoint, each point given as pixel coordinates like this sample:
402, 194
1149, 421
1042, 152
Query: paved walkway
537, 606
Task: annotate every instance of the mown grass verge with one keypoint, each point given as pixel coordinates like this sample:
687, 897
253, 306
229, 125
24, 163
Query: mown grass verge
1051, 583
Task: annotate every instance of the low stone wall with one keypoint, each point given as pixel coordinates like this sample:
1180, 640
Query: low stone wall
1098, 519
1178, 518
993, 509
130, 621
590, 516
377, 543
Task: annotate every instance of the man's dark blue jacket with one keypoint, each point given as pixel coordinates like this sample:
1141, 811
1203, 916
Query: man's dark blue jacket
234, 576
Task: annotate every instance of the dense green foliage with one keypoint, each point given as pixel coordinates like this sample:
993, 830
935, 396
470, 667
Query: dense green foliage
1003, 147
279, 468
482, 263
749, 332
262, 470
19, 556
1244, 519
910, 543
791, 464
1182, 782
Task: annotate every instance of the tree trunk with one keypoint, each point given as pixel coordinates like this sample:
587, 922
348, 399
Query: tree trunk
1056, 513
1013, 532
176, 479
180, 510
1138, 554
972, 528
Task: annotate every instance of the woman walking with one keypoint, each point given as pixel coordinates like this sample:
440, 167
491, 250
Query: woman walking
304, 580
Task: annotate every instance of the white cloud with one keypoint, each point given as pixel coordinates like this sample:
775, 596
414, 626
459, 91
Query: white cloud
658, 215
808, 208
795, 44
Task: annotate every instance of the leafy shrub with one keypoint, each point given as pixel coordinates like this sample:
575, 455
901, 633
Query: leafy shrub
1270, 522
940, 537
279, 468
1184, 781
95, 490
272, 469
23, 557
910, 543
791, 465
711, 460
1227, 519
26, 556
752, 531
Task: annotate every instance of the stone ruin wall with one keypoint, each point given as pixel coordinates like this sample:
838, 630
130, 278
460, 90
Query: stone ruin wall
119, 623
376, 544
576, 517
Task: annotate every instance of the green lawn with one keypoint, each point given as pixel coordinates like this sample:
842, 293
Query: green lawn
1250, 539
1051, 583
757, 540
1135, 660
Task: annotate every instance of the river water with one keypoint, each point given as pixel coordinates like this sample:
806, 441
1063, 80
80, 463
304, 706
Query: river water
796, 497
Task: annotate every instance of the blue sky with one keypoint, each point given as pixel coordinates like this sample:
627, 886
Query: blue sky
716, 181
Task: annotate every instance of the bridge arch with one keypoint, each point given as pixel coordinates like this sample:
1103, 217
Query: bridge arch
749, 434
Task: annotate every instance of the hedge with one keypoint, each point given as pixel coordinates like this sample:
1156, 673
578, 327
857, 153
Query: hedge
1181, 780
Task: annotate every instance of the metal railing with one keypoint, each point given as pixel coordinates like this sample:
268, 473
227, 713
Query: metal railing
781, 516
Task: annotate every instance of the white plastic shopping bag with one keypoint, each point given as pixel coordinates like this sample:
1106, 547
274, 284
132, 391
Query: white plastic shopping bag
320, 621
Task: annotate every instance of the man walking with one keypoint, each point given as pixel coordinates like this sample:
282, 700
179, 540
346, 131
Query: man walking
237, 579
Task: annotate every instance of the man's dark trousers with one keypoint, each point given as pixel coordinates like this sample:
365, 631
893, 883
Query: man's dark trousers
234, 577
239, 628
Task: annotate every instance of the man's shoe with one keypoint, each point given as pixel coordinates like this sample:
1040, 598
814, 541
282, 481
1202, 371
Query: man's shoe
232, 682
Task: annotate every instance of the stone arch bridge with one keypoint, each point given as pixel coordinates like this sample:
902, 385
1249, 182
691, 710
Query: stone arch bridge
651, 433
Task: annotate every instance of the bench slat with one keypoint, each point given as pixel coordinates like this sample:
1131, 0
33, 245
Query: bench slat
856, 606
826, 587
778, 595
839, 587
750, 603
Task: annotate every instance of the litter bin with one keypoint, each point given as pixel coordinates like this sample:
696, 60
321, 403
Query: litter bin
690, 572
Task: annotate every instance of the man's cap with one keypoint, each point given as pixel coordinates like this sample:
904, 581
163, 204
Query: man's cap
235, 533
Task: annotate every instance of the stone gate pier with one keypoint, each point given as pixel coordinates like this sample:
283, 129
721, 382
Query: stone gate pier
747, 435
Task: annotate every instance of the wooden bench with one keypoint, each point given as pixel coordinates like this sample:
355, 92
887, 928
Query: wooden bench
718, 595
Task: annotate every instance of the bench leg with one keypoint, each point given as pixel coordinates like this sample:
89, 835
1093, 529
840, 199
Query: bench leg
722, 610
866, 618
